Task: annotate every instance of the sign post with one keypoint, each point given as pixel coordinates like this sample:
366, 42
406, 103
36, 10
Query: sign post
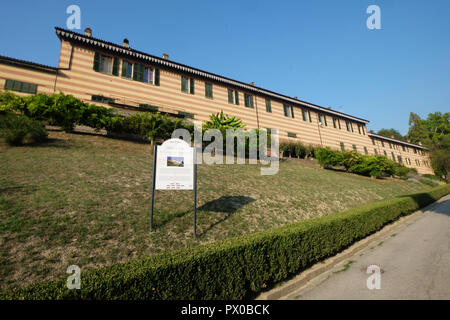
174, 169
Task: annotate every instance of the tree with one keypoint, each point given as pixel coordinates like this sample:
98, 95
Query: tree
389, 133
434, 133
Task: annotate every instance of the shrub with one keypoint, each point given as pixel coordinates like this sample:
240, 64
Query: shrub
9, 102
19, 129
429, 182
296, 149
234, 268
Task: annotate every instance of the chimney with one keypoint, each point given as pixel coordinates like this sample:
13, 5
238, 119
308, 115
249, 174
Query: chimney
252, 83
295, 98
329, 108
392, 137
126, 43
88, 32
165, 56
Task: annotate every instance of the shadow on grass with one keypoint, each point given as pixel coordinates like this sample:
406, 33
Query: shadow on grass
225, 204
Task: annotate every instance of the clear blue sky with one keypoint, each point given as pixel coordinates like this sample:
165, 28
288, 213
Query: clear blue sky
320, 51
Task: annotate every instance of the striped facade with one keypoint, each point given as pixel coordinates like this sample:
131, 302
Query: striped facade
116, 76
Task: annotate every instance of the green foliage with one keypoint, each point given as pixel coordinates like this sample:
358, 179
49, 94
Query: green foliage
234, 268
389, 133
223, 122
296, 149
10, 102
67, 111
19, 129
367, 165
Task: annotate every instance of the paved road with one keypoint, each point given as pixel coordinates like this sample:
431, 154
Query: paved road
414, 263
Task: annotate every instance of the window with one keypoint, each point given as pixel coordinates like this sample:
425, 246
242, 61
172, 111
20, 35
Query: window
236, 97
268, 106
351, 126
141, 73
375, 151
354, 148
382, 143
399, 159
292, 135
366, 151
102, 99
309, 116
187, 85
373, 141
415, 150
186, 114
148, 75
208, 90
359, 129
304, 115
287, 111
390, 145
230, 96
248, 100
342, 147
403, 148
334, 123
347, 124
393, 156
385, 153
363, 130
127, 69
106, 64
322, 119
138, 72
20, 86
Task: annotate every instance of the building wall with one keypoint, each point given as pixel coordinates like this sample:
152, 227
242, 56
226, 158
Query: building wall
44, 80
76, 76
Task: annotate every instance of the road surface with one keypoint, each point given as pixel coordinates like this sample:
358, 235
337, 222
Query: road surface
414, 264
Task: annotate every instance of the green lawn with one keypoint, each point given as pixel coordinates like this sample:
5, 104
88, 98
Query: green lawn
85, 200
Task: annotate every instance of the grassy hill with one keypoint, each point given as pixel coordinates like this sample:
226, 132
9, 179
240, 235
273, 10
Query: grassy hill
85, 200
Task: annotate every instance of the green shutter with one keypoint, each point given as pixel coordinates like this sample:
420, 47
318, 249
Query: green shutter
309, 114
292, 111
236, 97
230, 96
183, 84
156, 77
115, 70
97, 61
9, 84
17, 86
25, 87
192, 89
124, 68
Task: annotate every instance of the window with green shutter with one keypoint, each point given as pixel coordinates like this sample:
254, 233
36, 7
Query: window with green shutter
292, 111
115, 70
342, 146
138, 72
184, 84
268, 105
97, 61
192, 86
354, 148
292, 135
236, 97
127, 69
286, 110
20, 86
156, 77
248, 100
208, 90
375, 151
309, 115
304, 116
230, 96
366, 151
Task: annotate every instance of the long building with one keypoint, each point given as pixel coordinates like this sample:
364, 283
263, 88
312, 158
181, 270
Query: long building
114, 75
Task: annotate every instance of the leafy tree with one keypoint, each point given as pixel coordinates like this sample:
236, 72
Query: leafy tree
434, 133
388, 133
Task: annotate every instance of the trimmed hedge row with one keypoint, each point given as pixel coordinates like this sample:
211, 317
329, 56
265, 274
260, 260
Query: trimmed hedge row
234, 268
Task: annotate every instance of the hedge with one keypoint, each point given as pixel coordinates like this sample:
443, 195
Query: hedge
235, 268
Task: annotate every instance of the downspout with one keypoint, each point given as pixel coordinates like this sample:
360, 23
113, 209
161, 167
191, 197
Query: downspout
69, 68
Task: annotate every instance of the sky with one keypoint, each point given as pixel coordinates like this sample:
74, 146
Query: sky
320, 51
